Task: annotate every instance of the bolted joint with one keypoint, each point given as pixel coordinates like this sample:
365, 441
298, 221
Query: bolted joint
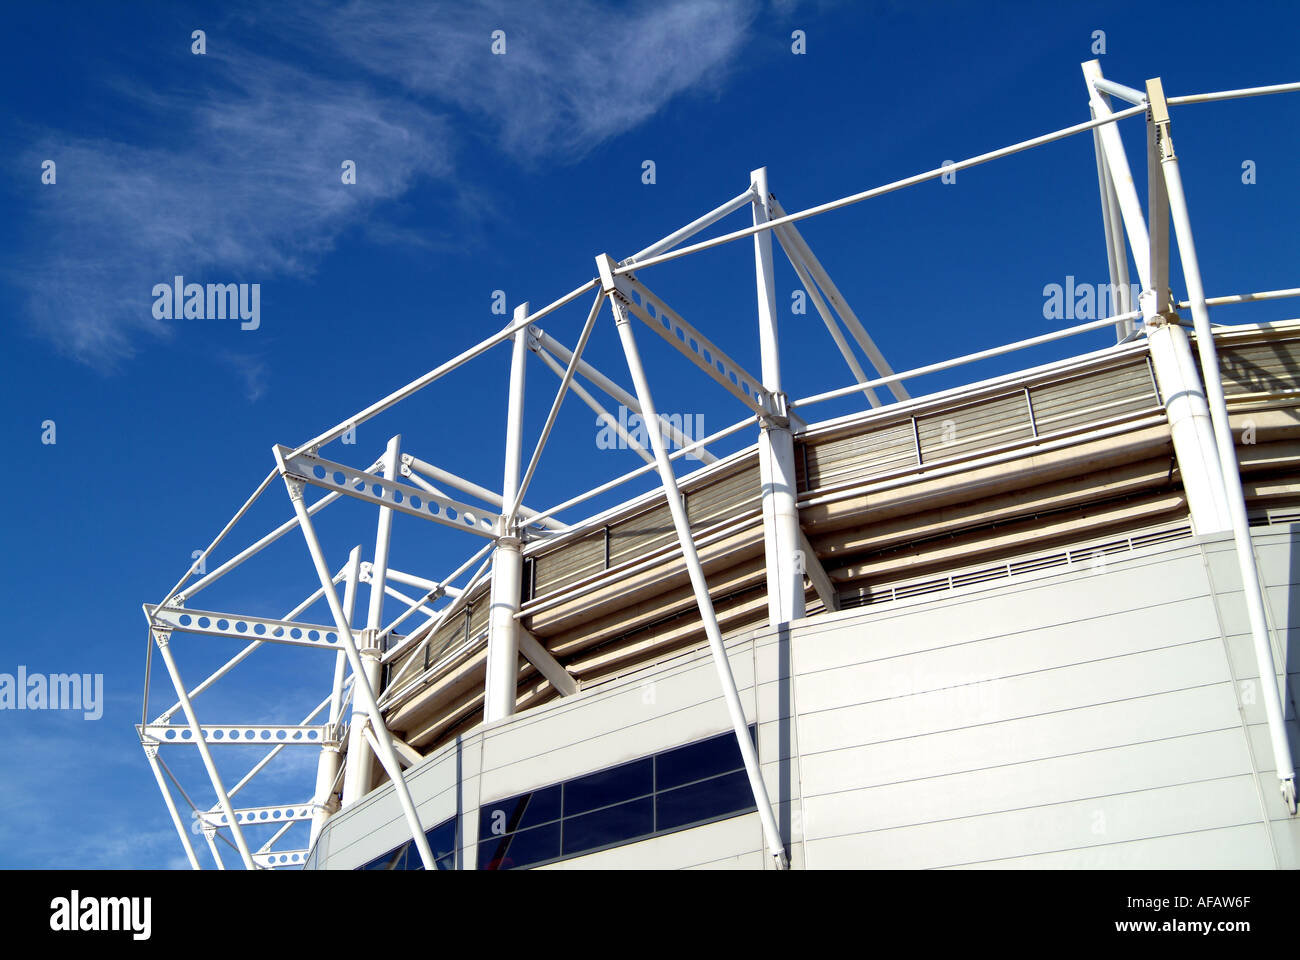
778, 415
1152, 317
368, 643
150, 750
508, 533
161, 637
295, 487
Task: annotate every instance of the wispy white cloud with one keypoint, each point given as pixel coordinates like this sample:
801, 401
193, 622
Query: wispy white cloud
236, 177
246, 185
571, 77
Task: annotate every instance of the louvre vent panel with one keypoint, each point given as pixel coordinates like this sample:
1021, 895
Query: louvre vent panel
989, 424
855, 458
1073, 403
1092, 555
639, 535
569, 563
1270, 367
728, 497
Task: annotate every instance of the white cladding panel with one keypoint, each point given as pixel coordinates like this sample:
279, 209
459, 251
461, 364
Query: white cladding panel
1085, 720
1090, 717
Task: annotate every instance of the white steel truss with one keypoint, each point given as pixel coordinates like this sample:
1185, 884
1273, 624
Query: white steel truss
353, 734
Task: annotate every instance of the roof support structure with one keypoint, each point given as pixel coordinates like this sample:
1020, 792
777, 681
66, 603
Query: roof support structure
1197, 417
814, 267
162, 638
602, 415
362, 690
500, 686
781, 533
1246, 563
1190, 424
699, 584
358, 771
547, 342
329, 764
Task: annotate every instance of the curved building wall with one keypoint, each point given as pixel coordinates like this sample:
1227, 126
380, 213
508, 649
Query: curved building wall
1099, 712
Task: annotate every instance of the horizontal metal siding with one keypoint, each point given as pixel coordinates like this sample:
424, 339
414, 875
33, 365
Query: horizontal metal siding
641, 534
850, 458
1269, 367
726, 497
570, 563
992, 423
1112, 393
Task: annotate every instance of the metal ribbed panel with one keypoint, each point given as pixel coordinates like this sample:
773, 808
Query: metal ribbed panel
641, 534
1269, 367
569, 563
478, 616
1112, 393
854, 458
451, 634
977, 427
725, 497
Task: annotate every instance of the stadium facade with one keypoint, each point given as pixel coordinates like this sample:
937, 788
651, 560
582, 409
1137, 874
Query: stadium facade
1038, 620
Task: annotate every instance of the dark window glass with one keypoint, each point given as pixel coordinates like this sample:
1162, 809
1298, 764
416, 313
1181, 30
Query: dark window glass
442, 840
635, 779
723, 796
520, 849
392, 860
519, 813
696, 761
608, 827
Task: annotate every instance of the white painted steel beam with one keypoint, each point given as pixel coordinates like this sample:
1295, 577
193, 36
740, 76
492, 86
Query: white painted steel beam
697, 348
841, 304
547, 665
411, 464
547, 342
162, 638
781, 532
1252, 591
502, 669
242, 627
362, 691
771, 833
383, 492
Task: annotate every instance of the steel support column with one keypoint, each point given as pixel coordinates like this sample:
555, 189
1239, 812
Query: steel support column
359, 772
502, 678
327, 766
1252, 590
781, 532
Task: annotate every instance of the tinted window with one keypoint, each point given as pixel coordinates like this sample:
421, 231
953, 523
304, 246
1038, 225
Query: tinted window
442, 841
723, 796
392, 860
673, 790
708, 758
519, 813
610, 826
520, 849
610, 786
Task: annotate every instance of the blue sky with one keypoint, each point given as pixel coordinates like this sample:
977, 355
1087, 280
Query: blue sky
478, 173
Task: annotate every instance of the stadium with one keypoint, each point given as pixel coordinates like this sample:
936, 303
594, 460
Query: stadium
1037, 620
